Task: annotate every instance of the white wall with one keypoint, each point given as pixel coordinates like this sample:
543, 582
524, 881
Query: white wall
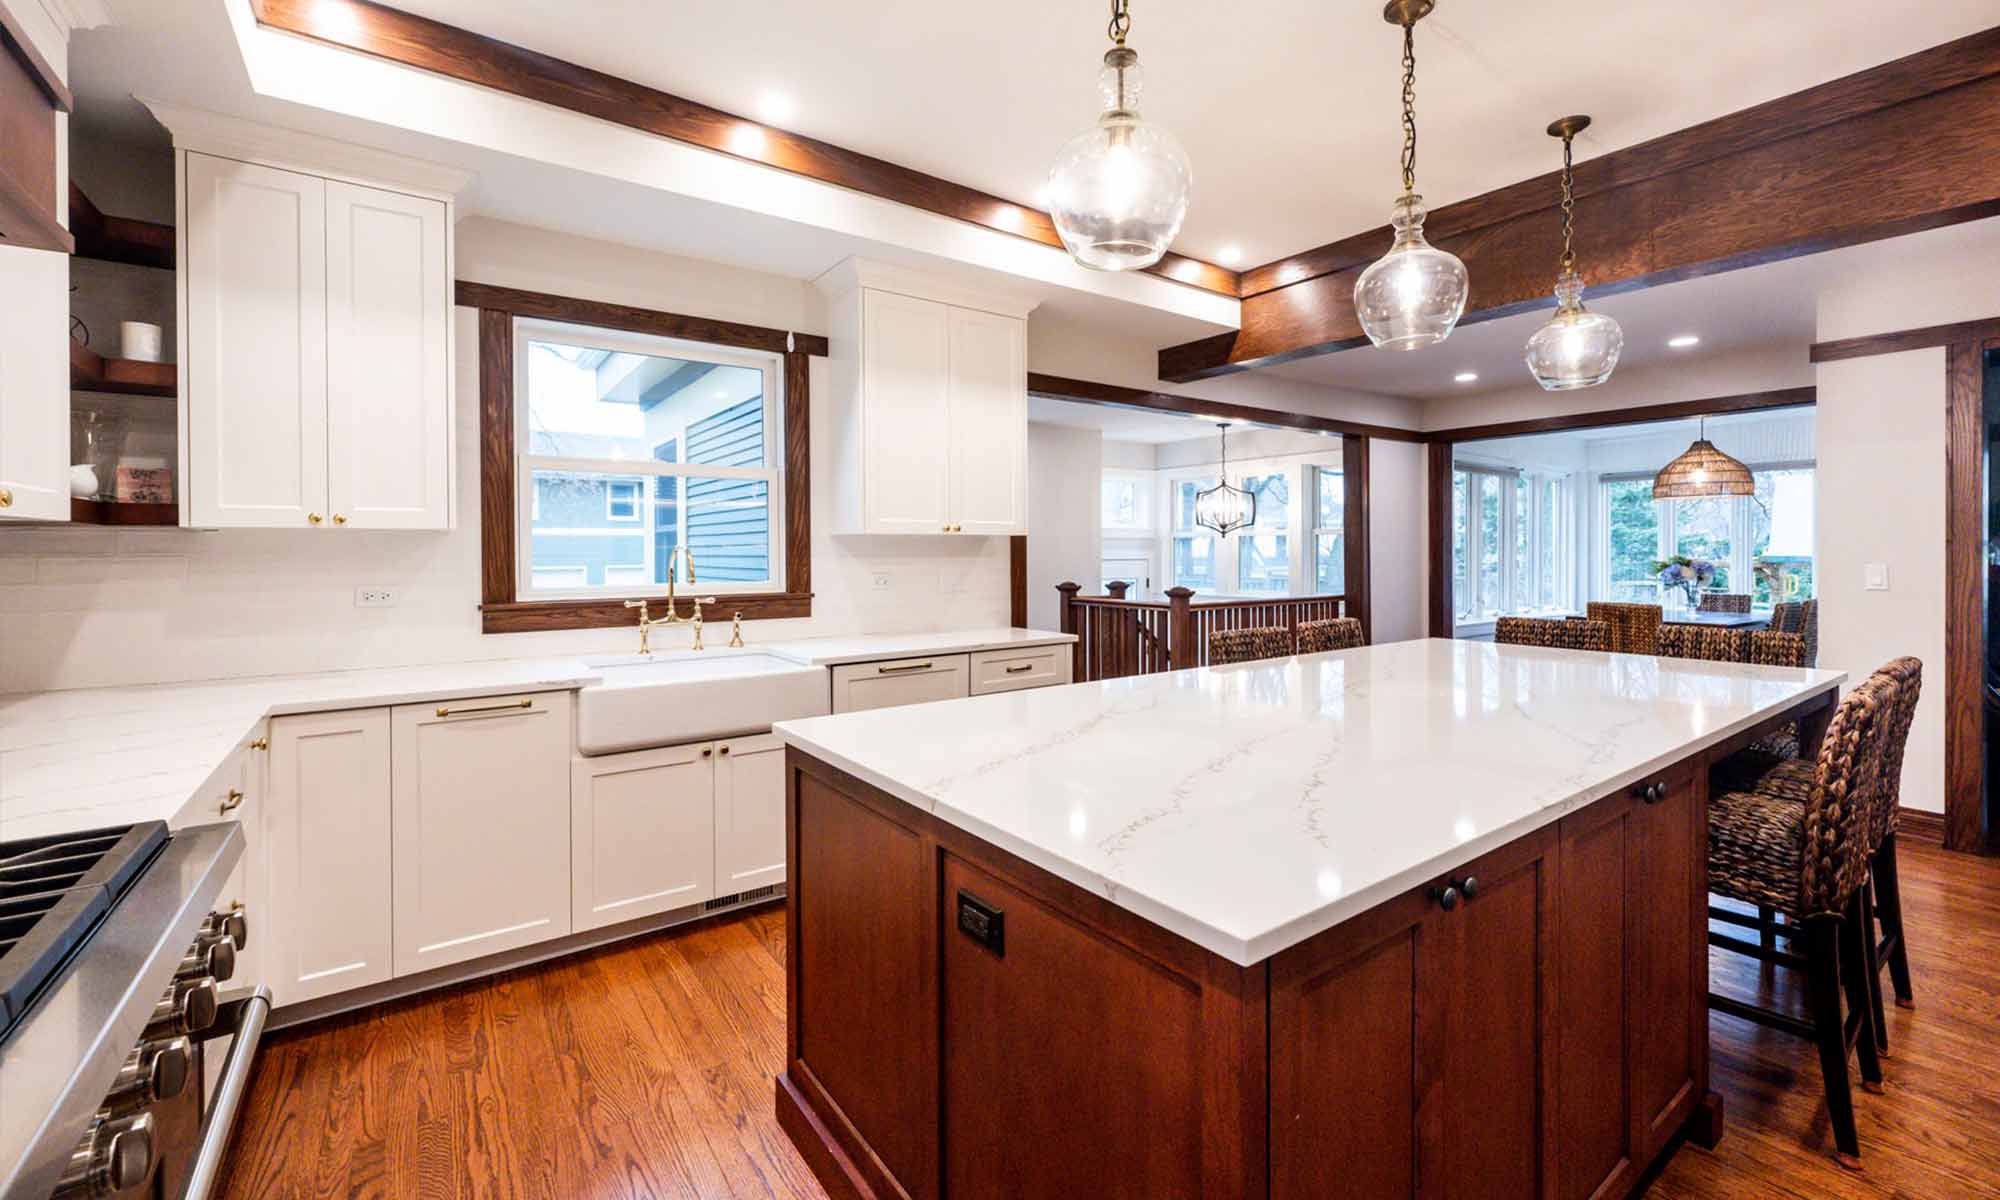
86, 607
1399, 566
1881, 425
1065, 470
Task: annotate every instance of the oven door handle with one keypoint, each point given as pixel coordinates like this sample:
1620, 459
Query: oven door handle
251, 1013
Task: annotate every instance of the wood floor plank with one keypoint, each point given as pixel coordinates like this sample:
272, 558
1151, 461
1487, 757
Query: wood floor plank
643, 1070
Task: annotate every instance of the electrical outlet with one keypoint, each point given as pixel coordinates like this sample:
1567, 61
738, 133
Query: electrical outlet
881, 581
374, 597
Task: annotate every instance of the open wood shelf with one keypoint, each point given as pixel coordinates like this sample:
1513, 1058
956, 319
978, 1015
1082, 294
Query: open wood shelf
91, 372
107, 512
118, 239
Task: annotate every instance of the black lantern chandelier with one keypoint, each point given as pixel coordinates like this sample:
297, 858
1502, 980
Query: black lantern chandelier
1224, 508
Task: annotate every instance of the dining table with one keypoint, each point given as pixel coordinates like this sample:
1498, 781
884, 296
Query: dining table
1721, 620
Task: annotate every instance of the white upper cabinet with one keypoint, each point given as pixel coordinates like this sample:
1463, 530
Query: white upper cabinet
388, 420
930, 405
34, 385
256, 337
316, 367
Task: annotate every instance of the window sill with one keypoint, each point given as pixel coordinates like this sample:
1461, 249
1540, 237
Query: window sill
537, 616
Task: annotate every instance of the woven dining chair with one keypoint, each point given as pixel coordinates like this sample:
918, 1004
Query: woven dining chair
1796, 843
1800, 617
1723, 602
1333, 633
1248, 645
1635, 628
1569, 634
1710, 642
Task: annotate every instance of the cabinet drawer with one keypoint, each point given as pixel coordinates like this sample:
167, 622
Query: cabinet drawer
860, 686
1011, 670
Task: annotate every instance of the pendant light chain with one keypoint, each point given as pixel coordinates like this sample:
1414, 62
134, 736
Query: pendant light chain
1409, 108
1568, 260
1121, 20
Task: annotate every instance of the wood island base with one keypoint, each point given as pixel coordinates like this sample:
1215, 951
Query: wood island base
964, 1024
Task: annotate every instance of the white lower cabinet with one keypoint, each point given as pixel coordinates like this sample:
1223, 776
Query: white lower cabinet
481, 808
749, 813
326, 827
642, 830
861, 686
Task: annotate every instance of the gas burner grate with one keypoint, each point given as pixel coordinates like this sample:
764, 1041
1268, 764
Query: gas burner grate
53, 891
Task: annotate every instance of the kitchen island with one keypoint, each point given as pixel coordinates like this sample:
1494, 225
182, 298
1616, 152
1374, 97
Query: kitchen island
1422, 919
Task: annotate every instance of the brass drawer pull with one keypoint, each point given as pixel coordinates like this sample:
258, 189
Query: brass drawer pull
446, 712
1021, 668
231, 801
922, 666
262, 743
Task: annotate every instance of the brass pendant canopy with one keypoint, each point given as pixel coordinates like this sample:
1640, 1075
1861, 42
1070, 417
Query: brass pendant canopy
1701, 471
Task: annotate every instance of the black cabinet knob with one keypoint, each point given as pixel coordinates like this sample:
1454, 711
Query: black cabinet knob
1446, 897
1470, 888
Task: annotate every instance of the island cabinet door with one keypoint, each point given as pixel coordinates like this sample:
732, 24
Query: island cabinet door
1409, 1045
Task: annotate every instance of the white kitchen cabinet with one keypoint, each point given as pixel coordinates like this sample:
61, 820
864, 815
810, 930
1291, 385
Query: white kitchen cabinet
316, 361
860, 686
749, 813
988, 406
34, 385
327, 827
481, 812
237, 792
930, 406
1015, 670
642, 833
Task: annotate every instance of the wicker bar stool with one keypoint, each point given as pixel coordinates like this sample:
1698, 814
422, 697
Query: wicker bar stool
1886, 906
1797, 843
1571, 634
1635, 628
1248, 645
1724, 602
1711, 642
1334, 633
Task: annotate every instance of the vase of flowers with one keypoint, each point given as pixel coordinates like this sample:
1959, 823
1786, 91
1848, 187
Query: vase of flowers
1684, 575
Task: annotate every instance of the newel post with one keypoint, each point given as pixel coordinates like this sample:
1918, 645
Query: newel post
1069, 590
1180, 629
1117, 588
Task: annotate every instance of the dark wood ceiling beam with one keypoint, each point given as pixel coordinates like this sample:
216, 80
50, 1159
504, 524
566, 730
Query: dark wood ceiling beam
460, 54
1896, 149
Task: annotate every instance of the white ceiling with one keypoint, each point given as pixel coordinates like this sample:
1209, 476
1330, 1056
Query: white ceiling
1288, 108
1119, 424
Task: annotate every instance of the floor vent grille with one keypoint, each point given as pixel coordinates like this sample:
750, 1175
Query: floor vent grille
740, 897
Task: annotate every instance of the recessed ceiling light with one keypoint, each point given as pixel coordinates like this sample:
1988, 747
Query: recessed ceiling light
776, 108
747, 140
1683, 341
1466, 377
1229, 256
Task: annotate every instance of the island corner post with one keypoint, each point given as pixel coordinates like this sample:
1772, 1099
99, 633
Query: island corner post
962, 1023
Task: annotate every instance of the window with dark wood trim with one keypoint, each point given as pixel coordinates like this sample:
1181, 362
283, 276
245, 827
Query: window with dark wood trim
502, 608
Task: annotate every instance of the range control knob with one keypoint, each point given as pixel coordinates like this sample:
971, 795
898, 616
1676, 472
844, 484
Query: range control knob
114, 1157
187, 1008
213, 956
231, 924
153, 1072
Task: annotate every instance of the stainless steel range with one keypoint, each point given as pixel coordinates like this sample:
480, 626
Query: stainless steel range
110, 957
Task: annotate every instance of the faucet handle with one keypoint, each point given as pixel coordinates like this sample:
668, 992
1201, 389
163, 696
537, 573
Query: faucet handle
701, 600
641, 606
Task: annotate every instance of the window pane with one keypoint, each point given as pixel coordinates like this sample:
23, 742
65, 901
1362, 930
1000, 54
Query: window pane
1781, 528
1274, 497
1523, 594
1489, 545
1329, 564
1332, 499
577, 541
590, 403
1701, 532
1185, 490
1194, 563
1263, 563
1461, 547
1121, 503
1548, 592
1634, 533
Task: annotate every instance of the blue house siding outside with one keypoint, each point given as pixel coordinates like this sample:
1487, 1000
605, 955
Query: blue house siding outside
729, 520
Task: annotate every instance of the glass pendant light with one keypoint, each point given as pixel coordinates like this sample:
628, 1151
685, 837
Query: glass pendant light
1577, 348
1703, 471
1223, 508
1412, 296
1119, 190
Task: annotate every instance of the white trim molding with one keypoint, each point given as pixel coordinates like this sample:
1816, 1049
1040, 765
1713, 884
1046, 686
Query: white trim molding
289, 150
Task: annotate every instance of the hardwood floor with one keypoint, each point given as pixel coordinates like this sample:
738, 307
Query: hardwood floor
644, 1070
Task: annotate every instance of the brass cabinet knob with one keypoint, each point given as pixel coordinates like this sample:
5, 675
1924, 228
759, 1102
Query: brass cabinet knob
340, 518
706, 751
262, 743
314, 518
230, 801
724, 750
6, 498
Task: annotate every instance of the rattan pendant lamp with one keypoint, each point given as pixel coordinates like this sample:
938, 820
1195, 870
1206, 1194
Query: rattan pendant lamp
1702, 470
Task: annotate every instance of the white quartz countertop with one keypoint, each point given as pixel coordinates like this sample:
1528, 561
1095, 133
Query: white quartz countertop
835, 651
1249, 807
89, 757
